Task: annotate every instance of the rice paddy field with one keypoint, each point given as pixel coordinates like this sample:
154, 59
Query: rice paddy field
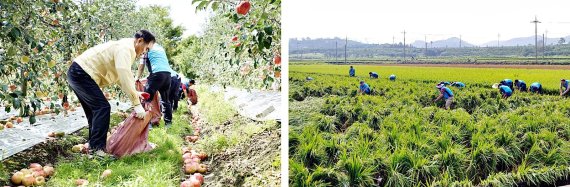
398, 136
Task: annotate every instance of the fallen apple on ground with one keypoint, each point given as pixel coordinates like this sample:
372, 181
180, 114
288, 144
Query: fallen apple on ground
40, 181
81, 182
17, 178
19, 120
49, 170
59, 134
106, 173
200, 177
9, 125
28, 180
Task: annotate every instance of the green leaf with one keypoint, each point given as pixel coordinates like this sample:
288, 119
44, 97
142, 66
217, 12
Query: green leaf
268, 30
202, 5
8, 109
32, 119
215, 6
11, 51
17, 103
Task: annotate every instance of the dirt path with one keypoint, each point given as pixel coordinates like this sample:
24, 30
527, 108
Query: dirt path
552, 67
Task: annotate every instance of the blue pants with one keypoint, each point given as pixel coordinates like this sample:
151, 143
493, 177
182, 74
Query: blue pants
97, 108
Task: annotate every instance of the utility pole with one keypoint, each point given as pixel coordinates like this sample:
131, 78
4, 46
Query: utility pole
459, 41
301, 50
498, 40
336, 51
425, 40
345, 44
404, 45
393, 40
536, 22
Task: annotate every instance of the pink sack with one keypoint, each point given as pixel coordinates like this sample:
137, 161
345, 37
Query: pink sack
131, 136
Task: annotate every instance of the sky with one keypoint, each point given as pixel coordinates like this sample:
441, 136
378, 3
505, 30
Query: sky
378, 21
182, 13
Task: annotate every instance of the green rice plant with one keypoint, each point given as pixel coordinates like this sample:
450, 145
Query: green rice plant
358, 173
410, 141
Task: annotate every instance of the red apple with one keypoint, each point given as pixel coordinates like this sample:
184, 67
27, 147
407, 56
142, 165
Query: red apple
277, 60
189, 183
190, 168
49, 170
28, 180
243, 7
81, 182
200, 177
26, 171
186, 156
235, 38
202, 156
9, 125
35, 165
106, 173
185, 150
40, 181
19, 120
17, 178
195, 182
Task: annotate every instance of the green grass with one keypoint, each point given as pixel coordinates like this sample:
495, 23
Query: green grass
159, 167
244, 152
550, 79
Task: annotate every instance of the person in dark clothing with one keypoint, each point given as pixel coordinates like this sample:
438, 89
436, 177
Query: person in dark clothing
159, 78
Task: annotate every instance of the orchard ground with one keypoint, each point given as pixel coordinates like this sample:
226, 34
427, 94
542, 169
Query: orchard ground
241, 152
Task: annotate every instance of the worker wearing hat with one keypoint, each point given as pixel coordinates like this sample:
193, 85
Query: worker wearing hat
445, 93
521, 85
508, 82
458, 84
364, 88
505, 90
373, 75
536, 87
351, 72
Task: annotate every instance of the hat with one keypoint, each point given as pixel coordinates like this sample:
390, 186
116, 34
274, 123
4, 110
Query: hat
562, 79
496, 85
361, 82
439, 86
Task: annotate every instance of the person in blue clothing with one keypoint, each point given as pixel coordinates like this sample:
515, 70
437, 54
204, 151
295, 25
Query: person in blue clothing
445, 83
373, 75
392, 77
521, 85
445, 93
536, 87
159, 78
364, 88
564, 87
351, 72
309, 78
508, 82
458, 84
505, 90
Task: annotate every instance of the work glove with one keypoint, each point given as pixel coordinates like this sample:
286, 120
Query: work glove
142, 95
139, 111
